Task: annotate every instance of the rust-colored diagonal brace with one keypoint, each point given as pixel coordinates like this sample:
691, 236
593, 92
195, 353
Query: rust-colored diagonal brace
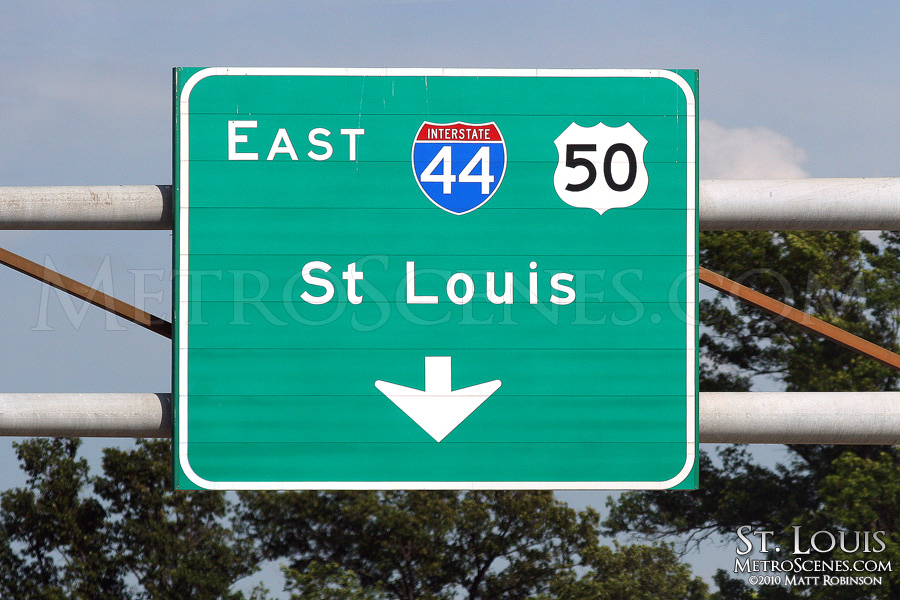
88, 294
798, 317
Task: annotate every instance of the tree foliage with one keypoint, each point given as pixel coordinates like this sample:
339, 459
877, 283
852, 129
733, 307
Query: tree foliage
121, 535
53, 543
447, 545
176, 544
848, 281
125, 534
839, 277
633, 572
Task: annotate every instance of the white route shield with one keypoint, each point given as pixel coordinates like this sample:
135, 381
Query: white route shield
600, 167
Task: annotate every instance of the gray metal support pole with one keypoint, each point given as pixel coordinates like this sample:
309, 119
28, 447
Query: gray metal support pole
753, 417
800, 204
800, 418
737, 204
86, 415
86, 207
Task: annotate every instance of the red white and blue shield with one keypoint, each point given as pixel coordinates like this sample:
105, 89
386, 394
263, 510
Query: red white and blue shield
459, 166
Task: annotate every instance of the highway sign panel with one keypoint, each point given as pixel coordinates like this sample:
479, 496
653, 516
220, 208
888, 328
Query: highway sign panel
435, 279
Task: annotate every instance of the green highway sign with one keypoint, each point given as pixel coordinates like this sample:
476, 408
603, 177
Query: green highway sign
435, 279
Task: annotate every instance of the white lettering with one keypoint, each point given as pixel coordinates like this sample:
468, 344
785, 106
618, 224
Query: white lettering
533, 284
352, 276
277, 148
468, 284
797, 549
411, 297
315, 141
561, 287
234, 139
507, 297
748, 545
311, 279
351, 134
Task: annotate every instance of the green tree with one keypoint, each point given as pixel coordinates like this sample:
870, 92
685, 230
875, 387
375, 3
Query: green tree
632, 572
840, 277
843, 279
53, 539
447, 545
176, 544
862, 493
122, 535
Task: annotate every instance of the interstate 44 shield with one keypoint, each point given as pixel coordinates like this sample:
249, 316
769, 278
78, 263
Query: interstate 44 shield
458, 165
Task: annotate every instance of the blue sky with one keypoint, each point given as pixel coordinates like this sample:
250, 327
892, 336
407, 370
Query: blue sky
786, 89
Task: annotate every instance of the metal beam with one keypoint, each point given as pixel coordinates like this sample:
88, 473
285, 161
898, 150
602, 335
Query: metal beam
800, 418
86, 207
800, 204
751, 417
735, 204
800, 318
86, 415
86, 293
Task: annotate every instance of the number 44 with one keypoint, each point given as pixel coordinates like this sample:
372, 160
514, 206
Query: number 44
446, 177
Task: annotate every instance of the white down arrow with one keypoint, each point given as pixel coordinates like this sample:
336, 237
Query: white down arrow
438, 410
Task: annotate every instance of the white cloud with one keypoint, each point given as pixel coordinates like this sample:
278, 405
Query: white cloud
748, 153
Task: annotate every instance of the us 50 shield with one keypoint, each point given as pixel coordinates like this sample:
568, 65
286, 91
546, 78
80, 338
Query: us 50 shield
600, 167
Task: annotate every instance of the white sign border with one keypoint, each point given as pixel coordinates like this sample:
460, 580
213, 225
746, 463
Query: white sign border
183, 265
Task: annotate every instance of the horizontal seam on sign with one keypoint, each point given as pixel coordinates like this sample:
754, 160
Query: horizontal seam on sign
447, 442
489, 256
395, 254
425, 350
405, 163
441, 348
445, 304
420, 208
433, 349
418, 116
496, 394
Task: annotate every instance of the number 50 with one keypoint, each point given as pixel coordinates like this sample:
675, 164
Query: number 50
573, 162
